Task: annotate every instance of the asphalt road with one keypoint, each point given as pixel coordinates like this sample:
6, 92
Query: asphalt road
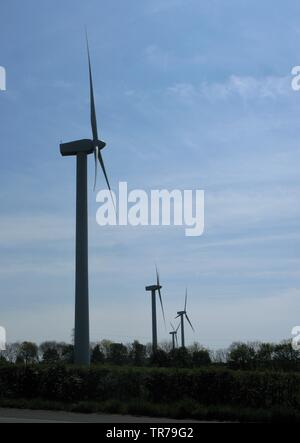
25, 416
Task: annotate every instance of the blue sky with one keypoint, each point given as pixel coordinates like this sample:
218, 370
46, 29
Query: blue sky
190, 95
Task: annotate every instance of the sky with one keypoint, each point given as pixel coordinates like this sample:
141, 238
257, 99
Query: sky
190, 95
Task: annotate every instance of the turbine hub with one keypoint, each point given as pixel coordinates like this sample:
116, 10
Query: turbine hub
100, 144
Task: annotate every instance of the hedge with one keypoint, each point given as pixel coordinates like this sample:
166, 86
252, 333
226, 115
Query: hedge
206, 386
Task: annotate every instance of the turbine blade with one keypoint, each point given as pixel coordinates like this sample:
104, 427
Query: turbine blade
96, 166
189, 322
103, 169
106, 177
176, 338
157, 277
178, 328
162, 306
160, 297
92, 98
186, 296
172, 326
178, 317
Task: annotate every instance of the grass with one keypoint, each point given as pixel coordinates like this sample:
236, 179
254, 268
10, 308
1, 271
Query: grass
179, 410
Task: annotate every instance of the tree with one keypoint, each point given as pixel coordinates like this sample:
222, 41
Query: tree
286, 358
28, 353
265, 355
166, 346
20, 360
241, 356
159, 358
149, 351
50, 352
201, 358
220, 356
97, 355
137, 354
51, 357
105, 347
194, 347
180, 358
118, 354
67, 355
12, 351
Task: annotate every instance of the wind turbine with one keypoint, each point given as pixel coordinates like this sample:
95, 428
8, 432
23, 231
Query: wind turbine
81, 149
153, 289
182, 315
173, 333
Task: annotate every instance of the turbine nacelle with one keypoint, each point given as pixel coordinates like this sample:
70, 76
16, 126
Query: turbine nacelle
181, 313
174, 335
80, 146
153, 288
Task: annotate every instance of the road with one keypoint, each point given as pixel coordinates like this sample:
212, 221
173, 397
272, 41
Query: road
26, 416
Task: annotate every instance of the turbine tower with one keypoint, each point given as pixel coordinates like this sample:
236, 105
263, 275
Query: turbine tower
81, 149
182, 315
173, 333
153, 289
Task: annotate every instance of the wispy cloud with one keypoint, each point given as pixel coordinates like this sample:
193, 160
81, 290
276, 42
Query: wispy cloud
20, 230
163, 59
244, 87
160, 6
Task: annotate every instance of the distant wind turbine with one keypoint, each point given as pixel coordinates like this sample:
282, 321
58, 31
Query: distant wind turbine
173, 333
81, 149
182, 315
153, 289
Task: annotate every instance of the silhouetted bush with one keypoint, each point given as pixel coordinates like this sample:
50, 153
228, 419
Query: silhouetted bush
204, 386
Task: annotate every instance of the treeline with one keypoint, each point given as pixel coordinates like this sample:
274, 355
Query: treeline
240, 356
